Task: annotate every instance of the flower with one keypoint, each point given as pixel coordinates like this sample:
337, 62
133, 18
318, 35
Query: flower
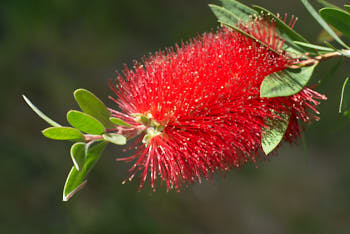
196, 109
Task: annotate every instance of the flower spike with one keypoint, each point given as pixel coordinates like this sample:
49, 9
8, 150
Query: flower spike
200, 105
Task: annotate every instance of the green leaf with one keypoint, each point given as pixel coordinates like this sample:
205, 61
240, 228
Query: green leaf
75, 180
115, 138
229, 19
327, 4
345, 96
347, 8
223, 14
339, 19
286, 82
323, 23
63, 133
283, 29
273, 134
41, 114
234, 27
78, 154
240, 10
85, 123
119, 122
312, 46
93, 106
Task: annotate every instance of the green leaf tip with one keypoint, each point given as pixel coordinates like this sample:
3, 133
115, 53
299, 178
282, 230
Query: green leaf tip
77, 179
115, 138
242, 11
39, 113
286, 83
273, 134
231, 12
77, 189
224, 14
85, 122
92, 105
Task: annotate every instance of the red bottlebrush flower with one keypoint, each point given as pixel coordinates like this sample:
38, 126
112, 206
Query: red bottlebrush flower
196, 109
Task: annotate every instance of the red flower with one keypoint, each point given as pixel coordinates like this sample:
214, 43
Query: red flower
197, 108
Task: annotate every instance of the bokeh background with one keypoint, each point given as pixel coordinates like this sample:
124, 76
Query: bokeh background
48, 48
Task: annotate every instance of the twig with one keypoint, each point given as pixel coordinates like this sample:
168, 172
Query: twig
317, 59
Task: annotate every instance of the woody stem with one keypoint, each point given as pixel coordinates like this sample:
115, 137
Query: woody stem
317, 59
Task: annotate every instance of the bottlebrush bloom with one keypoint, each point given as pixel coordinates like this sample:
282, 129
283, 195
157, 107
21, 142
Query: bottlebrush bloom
196, 109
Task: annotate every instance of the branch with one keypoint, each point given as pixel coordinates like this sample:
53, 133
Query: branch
318, 59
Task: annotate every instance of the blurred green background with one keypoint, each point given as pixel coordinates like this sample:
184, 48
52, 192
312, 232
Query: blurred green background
50, 48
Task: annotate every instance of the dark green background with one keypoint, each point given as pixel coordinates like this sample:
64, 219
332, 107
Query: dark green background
50, 48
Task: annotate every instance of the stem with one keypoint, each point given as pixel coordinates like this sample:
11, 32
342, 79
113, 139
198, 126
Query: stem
89, 137
317, 59
128, 132
342, 95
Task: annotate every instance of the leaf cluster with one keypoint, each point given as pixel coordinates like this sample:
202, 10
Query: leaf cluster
90, 132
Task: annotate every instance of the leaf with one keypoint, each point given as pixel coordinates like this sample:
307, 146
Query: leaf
41, 114
327, 4
119, 122
232, 26
286, 82
223, 14
78, 154
345, 96
75, 180
85, 123
93, 106
273, 134
238, 9
284, 30
115, 138
347, 8
62, 133
229, 19
312, 46
323, 23
339, 19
